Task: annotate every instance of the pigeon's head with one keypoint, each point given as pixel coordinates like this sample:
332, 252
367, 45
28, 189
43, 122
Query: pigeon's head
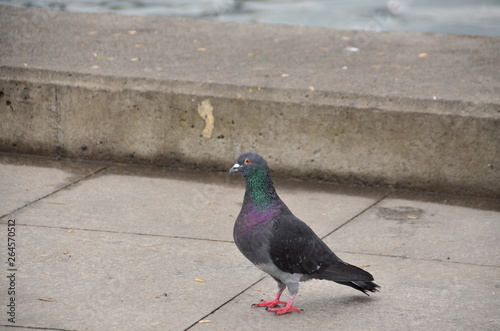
248, 162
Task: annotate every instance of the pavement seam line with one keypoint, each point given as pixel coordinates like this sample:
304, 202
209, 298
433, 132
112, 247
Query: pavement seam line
58, 190
123, 232
225, 303
358, 214
36, 327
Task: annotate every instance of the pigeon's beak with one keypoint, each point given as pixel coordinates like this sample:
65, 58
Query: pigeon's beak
235, 168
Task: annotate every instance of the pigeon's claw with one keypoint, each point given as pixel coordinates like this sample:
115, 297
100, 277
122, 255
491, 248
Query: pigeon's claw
274, 302
269, 304
283, 310
288, 308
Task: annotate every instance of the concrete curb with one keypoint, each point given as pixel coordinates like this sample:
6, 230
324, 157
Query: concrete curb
197, 93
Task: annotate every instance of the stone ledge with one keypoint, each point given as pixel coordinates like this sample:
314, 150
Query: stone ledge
131, 88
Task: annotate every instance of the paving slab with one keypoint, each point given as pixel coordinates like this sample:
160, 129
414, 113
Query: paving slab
424, 230
414, 295
23, 180
185, 204
109, 281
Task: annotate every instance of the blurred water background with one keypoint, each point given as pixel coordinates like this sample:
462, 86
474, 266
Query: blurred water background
471, 17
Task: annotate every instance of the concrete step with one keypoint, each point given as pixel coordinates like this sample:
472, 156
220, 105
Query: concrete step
393, 109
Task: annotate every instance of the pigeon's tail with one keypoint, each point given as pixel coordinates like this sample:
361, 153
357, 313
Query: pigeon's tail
362, 286
349, 275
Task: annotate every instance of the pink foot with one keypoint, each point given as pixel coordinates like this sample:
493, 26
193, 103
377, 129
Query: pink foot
269, 304
288, 308
274, 302
283, 310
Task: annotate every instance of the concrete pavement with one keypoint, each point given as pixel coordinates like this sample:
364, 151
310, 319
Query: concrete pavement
103, 246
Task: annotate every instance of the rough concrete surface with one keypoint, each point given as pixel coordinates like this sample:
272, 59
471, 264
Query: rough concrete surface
406, 110
113, 247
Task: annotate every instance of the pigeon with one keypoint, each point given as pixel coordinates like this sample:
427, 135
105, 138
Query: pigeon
277, 242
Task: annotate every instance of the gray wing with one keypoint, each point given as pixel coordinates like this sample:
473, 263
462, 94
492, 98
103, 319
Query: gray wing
295, 248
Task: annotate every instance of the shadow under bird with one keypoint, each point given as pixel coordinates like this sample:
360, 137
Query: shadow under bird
277, 242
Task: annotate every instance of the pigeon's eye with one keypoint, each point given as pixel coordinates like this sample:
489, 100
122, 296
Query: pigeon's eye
248, 161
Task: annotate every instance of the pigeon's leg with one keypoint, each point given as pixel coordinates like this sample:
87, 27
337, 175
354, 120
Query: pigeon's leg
293, 289
288, 308
274, 302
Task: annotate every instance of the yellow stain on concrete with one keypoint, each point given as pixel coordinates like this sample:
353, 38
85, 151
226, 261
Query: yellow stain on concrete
206, 111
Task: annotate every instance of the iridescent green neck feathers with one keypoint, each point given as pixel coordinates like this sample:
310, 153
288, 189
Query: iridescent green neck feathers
260, 191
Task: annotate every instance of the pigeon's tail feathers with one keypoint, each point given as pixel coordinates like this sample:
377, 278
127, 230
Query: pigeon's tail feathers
349, 275
362, 286
343, 272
